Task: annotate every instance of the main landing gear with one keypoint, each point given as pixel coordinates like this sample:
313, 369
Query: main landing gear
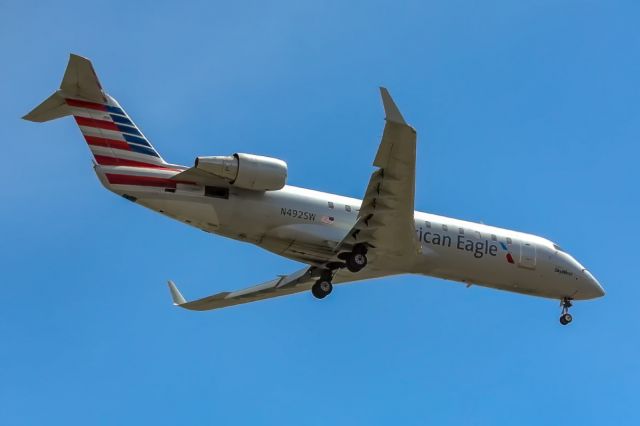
323, 287
565, 317
356, 259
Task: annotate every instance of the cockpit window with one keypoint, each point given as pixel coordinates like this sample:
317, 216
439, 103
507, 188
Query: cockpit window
557, 247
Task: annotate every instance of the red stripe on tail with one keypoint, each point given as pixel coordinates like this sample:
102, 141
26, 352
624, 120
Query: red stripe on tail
140, 180
109, 143
85, 104
143, 181
92, 122
111, 161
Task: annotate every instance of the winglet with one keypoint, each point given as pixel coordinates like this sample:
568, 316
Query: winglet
391, 111
175, 294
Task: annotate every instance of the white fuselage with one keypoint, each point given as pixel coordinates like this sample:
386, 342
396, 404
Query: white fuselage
339, 239
307, 225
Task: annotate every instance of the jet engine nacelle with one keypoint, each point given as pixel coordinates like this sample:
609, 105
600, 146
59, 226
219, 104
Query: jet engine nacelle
247, 171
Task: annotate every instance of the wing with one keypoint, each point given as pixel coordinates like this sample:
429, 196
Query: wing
296, 282
385, 223
386, 218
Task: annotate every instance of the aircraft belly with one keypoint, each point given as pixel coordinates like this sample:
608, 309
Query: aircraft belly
303, 242
320, 235
494, 272
197, 212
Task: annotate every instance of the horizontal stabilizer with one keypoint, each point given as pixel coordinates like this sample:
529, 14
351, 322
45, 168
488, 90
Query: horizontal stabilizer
53, 107
79, 81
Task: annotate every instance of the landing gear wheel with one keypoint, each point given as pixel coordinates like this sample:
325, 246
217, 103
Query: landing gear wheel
565, 318
322, 288
356, 261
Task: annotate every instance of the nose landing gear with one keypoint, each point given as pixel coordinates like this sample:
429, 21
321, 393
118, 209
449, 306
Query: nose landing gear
565, 317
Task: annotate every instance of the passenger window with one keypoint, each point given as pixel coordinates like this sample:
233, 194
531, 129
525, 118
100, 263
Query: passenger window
478, 235
445, 228
461, 230
347, 208
493, 237
330, 204
509, 240
427, 224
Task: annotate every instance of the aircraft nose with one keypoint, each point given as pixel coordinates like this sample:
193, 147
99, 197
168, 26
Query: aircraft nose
592, 288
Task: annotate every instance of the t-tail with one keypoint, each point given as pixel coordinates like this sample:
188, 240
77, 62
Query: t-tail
124, 154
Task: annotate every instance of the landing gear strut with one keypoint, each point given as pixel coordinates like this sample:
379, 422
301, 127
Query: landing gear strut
323, 287
565, 317
354, 261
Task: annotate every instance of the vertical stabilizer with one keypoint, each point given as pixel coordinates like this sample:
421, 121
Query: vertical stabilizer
80, 80
111, 134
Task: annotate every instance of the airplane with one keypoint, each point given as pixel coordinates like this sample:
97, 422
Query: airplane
339, 239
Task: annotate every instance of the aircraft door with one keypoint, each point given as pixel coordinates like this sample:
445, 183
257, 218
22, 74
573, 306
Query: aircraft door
527, 255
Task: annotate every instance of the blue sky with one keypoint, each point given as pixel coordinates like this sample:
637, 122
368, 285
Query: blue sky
528, 118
